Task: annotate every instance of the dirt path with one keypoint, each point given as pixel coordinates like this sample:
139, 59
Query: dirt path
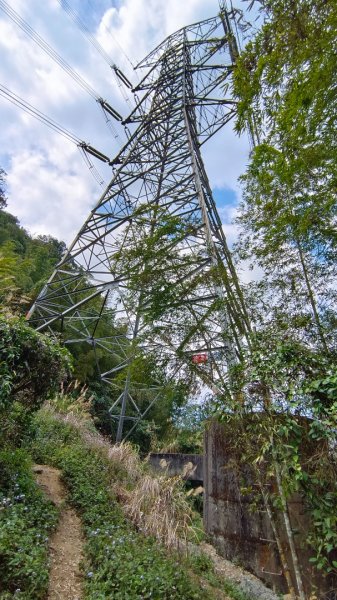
66, 544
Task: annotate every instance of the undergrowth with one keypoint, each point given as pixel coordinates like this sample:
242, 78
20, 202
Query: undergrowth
26, 521
203, 565
157, 505
120, 561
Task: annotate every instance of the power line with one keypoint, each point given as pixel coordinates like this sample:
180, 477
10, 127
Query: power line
15, 17
43, 118
86, 32
37, 114
131, 63
119, 75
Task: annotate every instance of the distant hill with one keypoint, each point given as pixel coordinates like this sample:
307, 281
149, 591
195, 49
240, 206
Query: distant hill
26, 262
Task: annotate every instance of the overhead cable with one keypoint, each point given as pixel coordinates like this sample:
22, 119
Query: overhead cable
43, 118
37, 114
115, 40
15, 17
120, 77
86, 31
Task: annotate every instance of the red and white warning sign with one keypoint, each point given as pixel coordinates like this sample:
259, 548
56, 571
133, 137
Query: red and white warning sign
199, 359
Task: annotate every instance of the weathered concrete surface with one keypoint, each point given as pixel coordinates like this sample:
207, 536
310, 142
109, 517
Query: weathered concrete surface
236, 532
238, 524
189, 466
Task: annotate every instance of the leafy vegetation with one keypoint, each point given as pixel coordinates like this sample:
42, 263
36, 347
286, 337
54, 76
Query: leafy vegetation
280, 397
25, 263
26, 517
285, 83
186, 431
32, 366
203, 564
3, 199
120, 560
26, 521
283, 410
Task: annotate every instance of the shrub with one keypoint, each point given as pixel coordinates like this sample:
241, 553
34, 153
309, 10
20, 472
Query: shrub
32, 367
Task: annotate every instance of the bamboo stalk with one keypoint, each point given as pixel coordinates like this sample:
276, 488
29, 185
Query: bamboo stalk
283, 558
289, 532
311, 297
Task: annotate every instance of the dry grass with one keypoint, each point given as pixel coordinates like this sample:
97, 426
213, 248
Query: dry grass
126, 455
72, 399
158, 506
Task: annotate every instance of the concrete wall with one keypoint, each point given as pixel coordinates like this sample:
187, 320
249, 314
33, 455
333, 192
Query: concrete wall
189, 466
238, 524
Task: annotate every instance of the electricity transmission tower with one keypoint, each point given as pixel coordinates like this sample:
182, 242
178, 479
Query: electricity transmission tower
150, 271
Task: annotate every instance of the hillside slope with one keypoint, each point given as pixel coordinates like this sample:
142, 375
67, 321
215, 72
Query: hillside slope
133, 546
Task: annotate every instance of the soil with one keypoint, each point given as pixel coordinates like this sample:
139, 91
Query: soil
66, 544
246, 582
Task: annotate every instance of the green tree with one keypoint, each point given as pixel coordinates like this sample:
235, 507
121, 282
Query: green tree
25, 263
3, 198
285, 83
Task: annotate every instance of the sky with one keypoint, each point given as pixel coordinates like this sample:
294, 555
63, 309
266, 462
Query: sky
50, 189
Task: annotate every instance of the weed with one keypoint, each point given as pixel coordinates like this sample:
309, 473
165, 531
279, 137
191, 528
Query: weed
234, 591
113, 493
156, 505
202, 563
72, 399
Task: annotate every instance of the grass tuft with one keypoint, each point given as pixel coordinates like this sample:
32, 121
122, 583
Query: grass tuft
158, 506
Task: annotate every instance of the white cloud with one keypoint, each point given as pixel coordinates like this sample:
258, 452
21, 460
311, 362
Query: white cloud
50, 189
140, 25
49, 198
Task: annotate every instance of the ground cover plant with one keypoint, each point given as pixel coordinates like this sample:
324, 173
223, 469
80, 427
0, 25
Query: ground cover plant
26, 517
26, 521
123, 557
120, 561
25, 355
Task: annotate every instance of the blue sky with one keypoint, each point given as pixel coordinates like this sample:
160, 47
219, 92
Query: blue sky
49, 187
91, 11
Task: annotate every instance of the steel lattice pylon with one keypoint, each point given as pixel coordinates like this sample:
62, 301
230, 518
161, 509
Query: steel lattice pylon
150, 270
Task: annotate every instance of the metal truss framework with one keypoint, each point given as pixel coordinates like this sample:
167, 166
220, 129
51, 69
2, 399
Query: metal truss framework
150, 271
